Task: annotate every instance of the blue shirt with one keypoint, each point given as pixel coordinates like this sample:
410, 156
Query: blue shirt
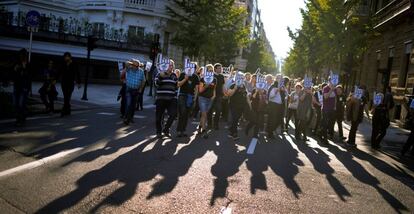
134, 78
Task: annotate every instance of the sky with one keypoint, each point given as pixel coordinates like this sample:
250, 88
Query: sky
276, 16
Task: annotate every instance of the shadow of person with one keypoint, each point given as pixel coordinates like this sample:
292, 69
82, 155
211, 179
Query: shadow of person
362, 175
256, 165
177, 166
320, 161
229, 159
131, 168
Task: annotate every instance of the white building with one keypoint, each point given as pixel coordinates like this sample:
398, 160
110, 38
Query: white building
125, 29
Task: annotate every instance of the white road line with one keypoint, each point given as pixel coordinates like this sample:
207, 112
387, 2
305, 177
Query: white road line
225, 210
139, 117
106, 113
148, 106
252, 146
37, 163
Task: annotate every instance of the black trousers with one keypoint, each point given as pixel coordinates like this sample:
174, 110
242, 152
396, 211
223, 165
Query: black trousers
352, 132
216, 107
48, 96
67, 91
378, 133
328, 122
290, 113
237, 110
301, 126
183, 113
161, 106
256, 122
340, 129
275, 117
140, 102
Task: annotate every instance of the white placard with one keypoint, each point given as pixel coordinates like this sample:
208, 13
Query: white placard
281, 83
163, 63
377, 99
260, 81
148, 66
307, 82
334, 79
358, 92
239, 78
412, 104
120, 66
189, 67
208, 76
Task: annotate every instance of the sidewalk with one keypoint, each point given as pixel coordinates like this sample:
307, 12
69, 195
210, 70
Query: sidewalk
98, 95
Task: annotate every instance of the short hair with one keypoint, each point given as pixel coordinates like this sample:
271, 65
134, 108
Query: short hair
217, 65
339, 86
67, 54
209, 66
269, 75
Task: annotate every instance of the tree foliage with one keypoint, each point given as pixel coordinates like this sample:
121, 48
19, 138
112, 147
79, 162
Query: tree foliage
210, 30
259, 57
329, 38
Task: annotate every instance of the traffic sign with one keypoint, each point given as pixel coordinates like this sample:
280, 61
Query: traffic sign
32, 18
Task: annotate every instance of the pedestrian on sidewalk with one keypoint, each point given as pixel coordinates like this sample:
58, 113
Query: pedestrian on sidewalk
380, 121
22, 77
196, 109
304, 113
340, 109
206, 95
166, 99
135, 82
69, 75
215, 110
48, 93
188, 85
354, 114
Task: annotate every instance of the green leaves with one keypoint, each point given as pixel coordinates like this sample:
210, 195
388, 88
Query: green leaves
210, 30
328, 36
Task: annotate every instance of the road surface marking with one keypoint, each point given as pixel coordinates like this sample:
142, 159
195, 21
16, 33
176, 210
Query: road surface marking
225, 210
252, 146
139, 117
106, 113
37, 163
148, 106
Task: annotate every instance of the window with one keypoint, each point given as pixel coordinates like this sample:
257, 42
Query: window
136, 31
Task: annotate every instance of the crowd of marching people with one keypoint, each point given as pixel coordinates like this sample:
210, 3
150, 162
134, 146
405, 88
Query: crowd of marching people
253, 102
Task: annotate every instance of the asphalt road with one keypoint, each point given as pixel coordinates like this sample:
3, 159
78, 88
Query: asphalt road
91, 162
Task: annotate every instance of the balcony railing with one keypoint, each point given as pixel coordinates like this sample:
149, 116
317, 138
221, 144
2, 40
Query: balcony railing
140, 3
73, 31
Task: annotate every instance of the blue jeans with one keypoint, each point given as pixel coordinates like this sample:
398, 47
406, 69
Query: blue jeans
19, 101
131, 100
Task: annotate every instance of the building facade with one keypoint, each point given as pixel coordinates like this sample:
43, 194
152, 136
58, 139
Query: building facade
125, 29
388, 60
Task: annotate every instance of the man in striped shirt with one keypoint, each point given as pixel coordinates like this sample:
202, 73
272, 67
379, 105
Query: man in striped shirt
166, 99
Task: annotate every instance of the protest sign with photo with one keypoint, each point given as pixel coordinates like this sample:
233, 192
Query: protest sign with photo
307, 82
148, 66
260, 81
239, 78
334, 79
189, 67
208, 76
358, 92
281, 83
163, 63
377, 99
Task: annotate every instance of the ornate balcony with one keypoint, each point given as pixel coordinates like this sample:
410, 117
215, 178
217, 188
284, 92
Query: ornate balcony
138, 4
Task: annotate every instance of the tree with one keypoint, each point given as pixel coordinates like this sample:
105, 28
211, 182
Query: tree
259, 57
210, 30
